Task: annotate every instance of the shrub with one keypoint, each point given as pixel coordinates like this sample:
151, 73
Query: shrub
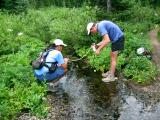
140, 69
18, 89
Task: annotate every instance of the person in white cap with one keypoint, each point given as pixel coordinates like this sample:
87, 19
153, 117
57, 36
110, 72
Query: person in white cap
54, 56
111, 33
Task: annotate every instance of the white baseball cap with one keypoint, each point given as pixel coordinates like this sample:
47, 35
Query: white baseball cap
89, 26
59, 42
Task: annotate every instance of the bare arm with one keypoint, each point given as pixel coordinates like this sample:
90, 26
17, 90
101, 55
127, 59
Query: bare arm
103, 43
100, 43
65, 63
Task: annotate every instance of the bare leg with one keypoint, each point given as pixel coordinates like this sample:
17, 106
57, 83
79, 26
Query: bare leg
113, 56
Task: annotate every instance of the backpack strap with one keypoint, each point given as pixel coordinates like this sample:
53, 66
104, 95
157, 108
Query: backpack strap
49, 62
47, 55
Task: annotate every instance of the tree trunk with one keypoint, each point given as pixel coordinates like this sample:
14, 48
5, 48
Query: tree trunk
108, 5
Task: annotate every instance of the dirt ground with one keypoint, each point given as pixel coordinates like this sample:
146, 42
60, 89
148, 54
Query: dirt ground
156, 47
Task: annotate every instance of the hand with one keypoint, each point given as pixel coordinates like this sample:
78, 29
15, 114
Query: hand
66, 60
97, 52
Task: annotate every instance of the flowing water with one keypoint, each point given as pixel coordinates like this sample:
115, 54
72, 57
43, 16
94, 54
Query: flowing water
84, 96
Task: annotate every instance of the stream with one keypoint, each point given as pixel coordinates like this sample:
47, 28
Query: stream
81, 95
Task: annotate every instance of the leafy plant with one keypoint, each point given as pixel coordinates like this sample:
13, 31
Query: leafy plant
140, 69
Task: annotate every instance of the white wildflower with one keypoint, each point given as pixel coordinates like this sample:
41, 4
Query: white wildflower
9, 30
141, 33
156, 26
20, 33
155, 14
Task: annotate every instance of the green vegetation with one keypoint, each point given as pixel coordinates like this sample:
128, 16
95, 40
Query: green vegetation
25, 34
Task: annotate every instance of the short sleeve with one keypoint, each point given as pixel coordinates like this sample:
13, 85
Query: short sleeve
59, 58
102, 30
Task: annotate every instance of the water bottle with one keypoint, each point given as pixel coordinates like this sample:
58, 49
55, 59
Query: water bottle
93, 47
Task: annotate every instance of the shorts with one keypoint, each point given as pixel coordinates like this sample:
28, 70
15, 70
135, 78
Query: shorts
118, 45
50, 76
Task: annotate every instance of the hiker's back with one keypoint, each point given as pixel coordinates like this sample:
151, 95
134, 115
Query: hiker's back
53, 56
50, 58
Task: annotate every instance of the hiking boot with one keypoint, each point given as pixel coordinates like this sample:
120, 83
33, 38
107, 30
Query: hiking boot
105, 74
109, 78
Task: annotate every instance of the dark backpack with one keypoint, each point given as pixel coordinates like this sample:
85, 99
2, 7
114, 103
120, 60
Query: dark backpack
41, 61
